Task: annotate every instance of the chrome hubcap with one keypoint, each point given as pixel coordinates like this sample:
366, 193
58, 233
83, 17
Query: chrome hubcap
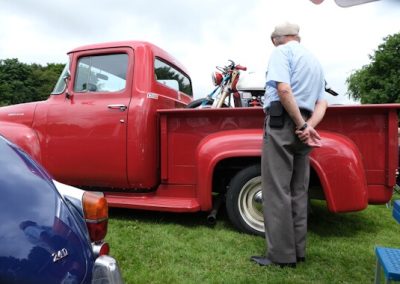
250, 204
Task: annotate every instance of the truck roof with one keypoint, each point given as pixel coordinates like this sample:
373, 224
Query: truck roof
157, 51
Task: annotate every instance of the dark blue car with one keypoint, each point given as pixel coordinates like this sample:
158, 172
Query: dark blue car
49, 232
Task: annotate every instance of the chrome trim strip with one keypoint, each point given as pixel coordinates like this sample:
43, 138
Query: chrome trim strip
72, 194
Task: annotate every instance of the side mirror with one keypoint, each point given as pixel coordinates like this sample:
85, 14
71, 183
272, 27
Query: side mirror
66, 78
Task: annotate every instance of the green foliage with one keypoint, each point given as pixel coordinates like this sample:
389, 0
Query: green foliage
20, 82
379, 81
155, 247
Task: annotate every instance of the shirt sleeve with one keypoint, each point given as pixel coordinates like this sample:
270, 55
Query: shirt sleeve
278, 68
322, 94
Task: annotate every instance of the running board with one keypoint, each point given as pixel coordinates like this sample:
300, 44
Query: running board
152, 202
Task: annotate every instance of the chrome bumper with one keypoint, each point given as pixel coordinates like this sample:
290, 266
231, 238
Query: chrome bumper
106, 271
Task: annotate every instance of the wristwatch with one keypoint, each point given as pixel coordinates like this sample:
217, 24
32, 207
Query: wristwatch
305, 125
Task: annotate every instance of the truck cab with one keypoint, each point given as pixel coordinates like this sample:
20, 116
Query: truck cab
98, 128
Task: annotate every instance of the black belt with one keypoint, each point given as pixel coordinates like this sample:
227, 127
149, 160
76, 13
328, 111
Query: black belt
303, 111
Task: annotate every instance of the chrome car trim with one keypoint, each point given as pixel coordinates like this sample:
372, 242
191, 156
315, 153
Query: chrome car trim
106, 270
96, 221
72, 194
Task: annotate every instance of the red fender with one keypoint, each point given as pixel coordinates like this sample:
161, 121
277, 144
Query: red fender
338, 163
23, 136
339, 166
217, 147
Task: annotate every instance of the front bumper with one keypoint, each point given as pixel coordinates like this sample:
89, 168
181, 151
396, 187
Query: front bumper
106, 271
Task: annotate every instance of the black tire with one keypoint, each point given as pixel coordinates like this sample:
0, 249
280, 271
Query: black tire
244, 201
199, 102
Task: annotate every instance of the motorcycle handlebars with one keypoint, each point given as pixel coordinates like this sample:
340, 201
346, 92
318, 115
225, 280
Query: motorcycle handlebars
230, 67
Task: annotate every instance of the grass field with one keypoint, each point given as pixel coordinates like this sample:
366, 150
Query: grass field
153, 247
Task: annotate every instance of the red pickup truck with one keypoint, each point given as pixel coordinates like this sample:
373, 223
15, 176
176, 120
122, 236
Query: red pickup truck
116, 122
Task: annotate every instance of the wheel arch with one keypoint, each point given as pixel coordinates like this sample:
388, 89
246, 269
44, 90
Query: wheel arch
219, 150
23, 136
339, 167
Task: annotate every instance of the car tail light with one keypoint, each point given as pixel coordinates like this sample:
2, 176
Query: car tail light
95, 209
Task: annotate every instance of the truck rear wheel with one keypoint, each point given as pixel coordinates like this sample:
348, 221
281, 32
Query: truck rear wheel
244, 201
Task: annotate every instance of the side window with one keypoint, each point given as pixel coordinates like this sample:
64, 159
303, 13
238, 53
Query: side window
170, 76
102, 73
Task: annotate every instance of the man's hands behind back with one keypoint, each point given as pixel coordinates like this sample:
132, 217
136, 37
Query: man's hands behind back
310, 137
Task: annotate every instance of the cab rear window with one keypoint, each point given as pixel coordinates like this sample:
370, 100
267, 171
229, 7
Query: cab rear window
171, 77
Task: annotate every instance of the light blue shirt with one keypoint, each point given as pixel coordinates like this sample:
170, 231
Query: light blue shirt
291, 63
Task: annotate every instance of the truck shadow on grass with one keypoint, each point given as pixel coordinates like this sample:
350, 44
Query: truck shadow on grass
324, 223
183, 219
321, 221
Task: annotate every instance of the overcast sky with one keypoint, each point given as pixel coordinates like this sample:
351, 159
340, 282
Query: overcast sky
200, 33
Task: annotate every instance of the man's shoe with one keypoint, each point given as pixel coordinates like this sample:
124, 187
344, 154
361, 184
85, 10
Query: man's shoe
261, 260
264, 261
301, 259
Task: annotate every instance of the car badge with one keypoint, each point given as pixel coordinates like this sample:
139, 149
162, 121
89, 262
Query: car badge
62, 253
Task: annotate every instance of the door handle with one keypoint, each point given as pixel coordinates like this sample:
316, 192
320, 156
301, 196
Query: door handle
118, 106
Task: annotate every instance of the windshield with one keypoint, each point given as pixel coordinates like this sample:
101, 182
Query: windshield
60, 86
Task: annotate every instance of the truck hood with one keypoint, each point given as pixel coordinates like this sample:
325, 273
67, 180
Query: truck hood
21, 113
41, 241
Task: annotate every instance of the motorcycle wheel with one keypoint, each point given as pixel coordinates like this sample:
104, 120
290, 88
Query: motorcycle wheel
244, 201
199, 103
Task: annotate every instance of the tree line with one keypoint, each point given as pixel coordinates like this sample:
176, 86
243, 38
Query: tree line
21, 82
379, 81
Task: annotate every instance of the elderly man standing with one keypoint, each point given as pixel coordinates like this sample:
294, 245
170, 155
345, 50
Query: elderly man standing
294, 104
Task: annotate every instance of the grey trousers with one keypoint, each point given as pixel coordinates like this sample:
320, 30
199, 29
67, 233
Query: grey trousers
285, 177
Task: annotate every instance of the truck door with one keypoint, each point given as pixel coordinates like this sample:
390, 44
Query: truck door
87, 129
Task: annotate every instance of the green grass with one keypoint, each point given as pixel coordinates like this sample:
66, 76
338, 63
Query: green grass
153, 247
